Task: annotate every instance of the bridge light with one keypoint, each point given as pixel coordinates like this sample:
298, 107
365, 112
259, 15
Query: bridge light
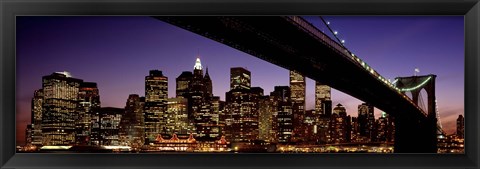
343, 41
335, 32
328, 23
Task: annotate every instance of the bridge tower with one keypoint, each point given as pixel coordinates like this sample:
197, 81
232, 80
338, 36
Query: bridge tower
417, 134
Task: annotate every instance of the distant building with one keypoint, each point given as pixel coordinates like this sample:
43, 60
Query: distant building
460, 126
110, 119
59, 108
131, 130
323, 99
284, 117
29, 135
88, 106
265, 118
366, 121
338, 127
239, 78
183, 84
36, 119
297, 87
156, 94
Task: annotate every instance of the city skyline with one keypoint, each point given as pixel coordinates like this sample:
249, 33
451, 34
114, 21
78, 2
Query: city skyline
205, 50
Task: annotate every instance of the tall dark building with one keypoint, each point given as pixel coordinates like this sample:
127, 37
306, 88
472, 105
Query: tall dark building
89, 105
297, 87
366, 121
338, 128
460, 126
240, 78
131, 129
183, 84
37, 103
208, 84
283, 123
156, 94
59, 108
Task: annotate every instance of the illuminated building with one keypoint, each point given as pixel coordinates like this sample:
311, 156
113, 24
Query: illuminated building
110, 119
322, 130
187, 143
59, 108
183, 84
297, 87
265, 118
177, 121
89, 104
131, 130
366, 121
338, 125
284, 117
383, 128
460, 126
311, 132
242, 114
36, 119
239, 78
241, 107
29, 135
323, 100
156, 94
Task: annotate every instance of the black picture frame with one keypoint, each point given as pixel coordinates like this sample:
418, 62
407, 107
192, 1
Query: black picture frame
11, 8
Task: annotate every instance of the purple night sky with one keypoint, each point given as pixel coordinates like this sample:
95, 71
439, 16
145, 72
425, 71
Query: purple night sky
117, 52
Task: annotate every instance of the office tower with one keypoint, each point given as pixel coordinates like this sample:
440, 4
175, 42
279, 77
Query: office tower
29, 135
366, 121
88, 106
297, 87
242, 114
37, 103
323, 100
283, 116
156, 94
183, 84
460, 126
265, 118
383, 128
131, 129
338, 125
177, 122
110, 119
59, 108
311, 127
239, 78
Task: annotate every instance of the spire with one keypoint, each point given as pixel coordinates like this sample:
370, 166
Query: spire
206, 73
198, 64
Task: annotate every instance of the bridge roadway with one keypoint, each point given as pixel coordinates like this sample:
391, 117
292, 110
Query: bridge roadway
294, 44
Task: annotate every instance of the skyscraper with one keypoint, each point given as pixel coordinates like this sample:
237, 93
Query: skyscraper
177, 121
283, 122
183, 84
338, 127
297, 87
239, 78
89, 105
156, 94
59, 108
323, 100
242, 107
131, 128
460, 126
366, 121
37, 103
110, 119
265, 118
